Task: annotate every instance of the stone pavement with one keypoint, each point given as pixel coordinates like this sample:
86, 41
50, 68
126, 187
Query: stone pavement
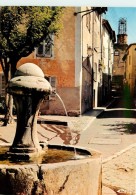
119, 171
64, 130
73, 124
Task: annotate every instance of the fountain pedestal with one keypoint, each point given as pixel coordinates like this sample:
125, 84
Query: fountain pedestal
28, 88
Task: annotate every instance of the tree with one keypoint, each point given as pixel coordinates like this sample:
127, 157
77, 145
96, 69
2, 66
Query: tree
21, 30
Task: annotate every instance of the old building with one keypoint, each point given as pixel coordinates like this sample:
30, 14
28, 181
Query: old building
130, 68
119, 51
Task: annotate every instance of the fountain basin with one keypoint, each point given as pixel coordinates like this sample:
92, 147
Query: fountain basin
81, 176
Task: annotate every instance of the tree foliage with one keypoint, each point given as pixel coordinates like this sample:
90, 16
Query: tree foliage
22, 29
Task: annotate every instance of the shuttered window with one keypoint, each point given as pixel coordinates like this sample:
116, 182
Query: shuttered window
53, 81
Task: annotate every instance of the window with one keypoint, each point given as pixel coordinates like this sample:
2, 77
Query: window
52, 81
45, 48
116, 53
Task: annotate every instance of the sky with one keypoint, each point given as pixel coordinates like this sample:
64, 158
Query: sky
129, 13
70, 2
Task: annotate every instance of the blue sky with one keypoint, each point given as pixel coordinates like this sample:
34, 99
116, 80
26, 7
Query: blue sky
129, 13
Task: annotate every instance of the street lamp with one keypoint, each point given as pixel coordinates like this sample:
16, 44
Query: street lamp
100, 10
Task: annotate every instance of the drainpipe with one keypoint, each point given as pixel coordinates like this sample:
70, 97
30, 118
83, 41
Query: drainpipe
93, 95
101, 57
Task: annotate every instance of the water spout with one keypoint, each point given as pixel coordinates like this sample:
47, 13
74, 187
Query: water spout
62, 103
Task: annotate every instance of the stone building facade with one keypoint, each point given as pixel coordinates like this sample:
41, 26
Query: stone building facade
130, 68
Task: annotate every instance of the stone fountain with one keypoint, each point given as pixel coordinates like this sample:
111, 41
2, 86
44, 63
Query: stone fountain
80, 176
28, 88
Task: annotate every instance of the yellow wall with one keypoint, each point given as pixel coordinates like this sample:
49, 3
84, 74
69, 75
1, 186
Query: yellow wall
131, 67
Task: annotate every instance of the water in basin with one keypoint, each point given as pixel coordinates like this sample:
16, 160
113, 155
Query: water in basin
50, 155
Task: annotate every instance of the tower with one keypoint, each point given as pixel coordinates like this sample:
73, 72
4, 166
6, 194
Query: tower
122, 31
119, 51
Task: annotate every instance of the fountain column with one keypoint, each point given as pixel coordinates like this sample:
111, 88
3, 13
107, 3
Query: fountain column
29, 88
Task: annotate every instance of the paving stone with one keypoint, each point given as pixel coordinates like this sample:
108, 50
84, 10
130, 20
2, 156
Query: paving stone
106, 141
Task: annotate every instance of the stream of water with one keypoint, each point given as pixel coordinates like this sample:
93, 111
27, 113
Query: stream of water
75, 152
66, 113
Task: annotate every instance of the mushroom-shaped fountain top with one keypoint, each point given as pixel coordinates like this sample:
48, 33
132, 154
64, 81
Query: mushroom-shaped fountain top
28, 76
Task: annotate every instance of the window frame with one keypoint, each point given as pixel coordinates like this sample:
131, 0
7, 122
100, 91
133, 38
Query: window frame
116, 53
44, 53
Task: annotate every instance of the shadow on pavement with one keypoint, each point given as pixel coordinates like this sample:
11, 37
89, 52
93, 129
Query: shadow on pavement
121, 107
67, 135
93, 112
120, 113
128, 128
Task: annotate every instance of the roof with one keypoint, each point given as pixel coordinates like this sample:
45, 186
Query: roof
126, 53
